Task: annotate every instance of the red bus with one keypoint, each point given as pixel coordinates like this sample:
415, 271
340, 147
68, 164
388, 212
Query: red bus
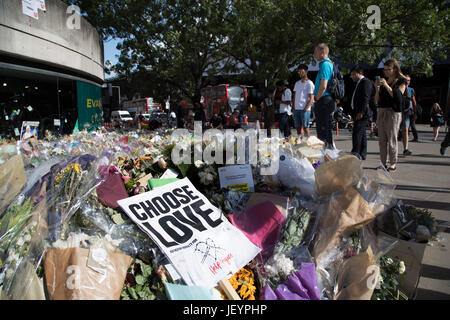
138, 106
224, 98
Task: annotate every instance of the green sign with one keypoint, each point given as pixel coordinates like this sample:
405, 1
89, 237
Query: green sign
89, 100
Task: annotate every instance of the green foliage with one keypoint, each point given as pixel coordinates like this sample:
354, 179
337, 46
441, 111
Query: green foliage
180, 46
295, 228
143, 283
16, 215
391, 274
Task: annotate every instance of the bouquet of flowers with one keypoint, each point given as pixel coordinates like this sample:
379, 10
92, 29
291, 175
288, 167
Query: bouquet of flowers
243, 282
391, 273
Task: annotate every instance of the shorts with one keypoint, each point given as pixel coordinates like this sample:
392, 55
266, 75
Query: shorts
302, 118
406, 120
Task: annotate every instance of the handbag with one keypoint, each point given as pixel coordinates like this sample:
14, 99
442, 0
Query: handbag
440, 121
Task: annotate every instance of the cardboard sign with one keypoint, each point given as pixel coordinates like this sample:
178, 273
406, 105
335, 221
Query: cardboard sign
237, 177
202, 245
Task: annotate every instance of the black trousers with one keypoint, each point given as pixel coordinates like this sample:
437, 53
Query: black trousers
413, 129
359, 138
284, 124
324, 110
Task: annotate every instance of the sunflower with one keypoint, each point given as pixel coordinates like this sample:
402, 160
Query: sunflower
243, 282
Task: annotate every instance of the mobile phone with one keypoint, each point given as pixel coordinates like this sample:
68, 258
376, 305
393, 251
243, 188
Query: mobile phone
377, 78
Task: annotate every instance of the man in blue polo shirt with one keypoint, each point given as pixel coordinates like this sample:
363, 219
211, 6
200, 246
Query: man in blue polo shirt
325, 103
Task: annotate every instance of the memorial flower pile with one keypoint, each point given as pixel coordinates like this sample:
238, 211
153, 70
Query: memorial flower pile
85, 189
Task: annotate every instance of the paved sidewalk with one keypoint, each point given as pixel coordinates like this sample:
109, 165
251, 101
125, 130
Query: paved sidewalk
423, 180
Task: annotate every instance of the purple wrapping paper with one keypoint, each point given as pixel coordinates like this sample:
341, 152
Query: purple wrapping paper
111, 190
261, 225
301, 285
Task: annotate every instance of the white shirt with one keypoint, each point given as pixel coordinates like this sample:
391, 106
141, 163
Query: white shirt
287, 96
302, 91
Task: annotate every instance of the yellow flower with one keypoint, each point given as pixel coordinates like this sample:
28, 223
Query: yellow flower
242, 290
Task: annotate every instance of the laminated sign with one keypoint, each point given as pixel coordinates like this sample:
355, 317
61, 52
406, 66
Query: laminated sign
239, 178
203, 246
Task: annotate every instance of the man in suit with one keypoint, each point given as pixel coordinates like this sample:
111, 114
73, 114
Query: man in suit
362, 95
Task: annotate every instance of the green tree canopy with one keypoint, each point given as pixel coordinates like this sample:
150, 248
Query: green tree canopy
181, 45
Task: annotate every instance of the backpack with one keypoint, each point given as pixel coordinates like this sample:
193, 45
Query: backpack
407, 102
336, 86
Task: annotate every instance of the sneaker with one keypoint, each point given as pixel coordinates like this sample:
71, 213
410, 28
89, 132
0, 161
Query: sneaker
392, 169
443, 149
407, 152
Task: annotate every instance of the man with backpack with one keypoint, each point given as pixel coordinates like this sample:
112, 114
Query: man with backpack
408, 112
326, 86
409, 116
415, 109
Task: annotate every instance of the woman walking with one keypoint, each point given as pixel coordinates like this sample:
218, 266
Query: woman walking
437, 120
389, 97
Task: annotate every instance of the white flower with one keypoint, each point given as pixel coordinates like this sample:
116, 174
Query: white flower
199, 163
402, 267
379, 282
279, 264
389, 261
27, 237
20, 241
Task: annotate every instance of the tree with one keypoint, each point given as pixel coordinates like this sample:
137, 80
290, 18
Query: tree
181, 45
414, 31
176, 42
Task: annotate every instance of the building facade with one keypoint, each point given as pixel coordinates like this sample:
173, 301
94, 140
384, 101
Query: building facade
51, 68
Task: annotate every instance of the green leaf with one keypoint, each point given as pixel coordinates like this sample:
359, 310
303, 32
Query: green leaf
133, 294
124, 295
146, 269
184, 168
140, 280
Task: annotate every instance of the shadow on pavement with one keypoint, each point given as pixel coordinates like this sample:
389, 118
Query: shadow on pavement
422, 188
427, 204
434, 163
425, 294
437, 156
435, 272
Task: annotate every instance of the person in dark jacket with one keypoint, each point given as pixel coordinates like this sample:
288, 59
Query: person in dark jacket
362, 95
199, 113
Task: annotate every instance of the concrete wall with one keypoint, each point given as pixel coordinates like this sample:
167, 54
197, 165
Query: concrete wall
48, 40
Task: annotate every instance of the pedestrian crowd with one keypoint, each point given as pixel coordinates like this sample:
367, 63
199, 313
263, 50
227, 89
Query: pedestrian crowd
389, 103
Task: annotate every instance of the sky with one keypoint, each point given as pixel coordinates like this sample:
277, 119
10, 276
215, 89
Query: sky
111, 52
